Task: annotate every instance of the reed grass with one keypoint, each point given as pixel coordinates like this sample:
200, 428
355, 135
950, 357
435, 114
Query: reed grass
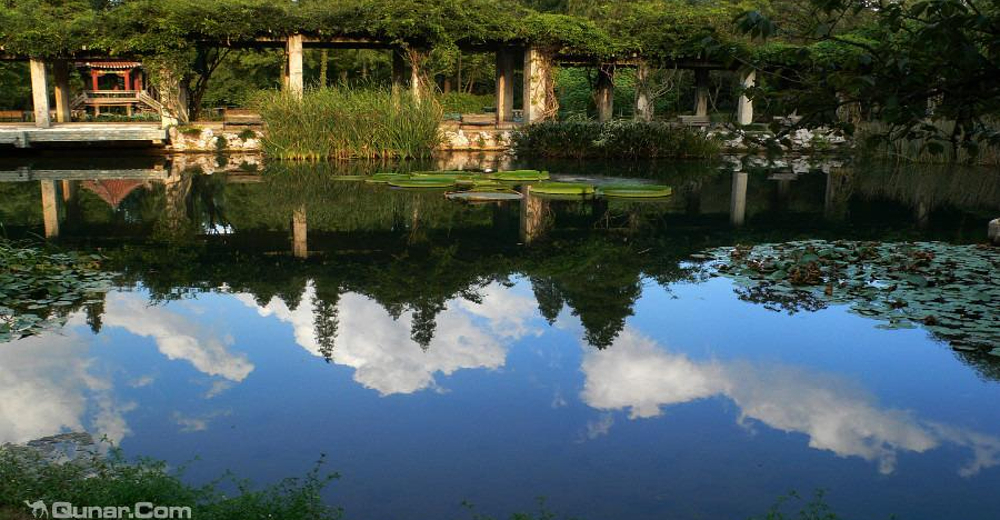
615, 139
345, 123
880, 142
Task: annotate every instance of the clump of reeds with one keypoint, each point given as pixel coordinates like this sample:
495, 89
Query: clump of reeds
881, 141
628, 139
345, 123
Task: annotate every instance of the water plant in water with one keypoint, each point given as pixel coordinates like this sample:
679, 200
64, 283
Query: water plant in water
562, 188
950, 290
39, 287
347, 123
520, 175
636, 191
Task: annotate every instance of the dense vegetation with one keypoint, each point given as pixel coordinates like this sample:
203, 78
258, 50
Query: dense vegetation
344, 123
631, 139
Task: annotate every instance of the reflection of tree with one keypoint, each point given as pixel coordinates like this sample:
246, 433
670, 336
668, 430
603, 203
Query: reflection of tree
325, 321
986, 365
550, 300
424, 322
94, 313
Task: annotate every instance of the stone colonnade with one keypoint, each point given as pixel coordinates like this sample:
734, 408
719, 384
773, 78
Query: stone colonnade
539, 102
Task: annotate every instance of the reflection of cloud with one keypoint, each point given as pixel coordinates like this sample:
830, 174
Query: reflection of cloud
598, 428
176, 336
197, 424
45, 386
381, 351
639, 375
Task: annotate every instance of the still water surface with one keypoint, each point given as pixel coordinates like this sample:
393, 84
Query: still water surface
438, 352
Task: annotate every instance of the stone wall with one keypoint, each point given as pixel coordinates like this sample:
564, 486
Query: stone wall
213, 137
457, 137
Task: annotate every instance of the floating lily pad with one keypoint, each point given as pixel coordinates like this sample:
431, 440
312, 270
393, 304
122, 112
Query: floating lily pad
381, 178
562, 188
520, 175
349, 177
485, 195
423, 183
636, 191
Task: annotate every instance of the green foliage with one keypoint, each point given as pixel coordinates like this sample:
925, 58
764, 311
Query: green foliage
39, 288
345, 123
465, 103
94, 479
631, 139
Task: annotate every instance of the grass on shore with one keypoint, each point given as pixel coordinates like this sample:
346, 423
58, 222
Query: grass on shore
347, 123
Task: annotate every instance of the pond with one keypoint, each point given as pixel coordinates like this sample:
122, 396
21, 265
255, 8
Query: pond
439, 352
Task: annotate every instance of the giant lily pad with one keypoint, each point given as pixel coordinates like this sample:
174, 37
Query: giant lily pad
520, 175
476, 195
423, 183
562, 188
636, 191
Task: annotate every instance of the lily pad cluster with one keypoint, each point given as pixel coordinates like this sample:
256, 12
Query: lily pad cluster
39, 288
953, 291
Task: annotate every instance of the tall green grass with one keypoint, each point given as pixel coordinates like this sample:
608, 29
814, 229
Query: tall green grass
624, 139
345, 123
466, 103
879, 142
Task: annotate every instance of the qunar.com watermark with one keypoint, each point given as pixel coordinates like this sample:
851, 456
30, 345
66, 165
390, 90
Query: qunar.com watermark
141, 510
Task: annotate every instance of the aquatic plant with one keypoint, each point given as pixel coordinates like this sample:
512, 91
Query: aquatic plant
950, 290
636, 191
39, 287
347, 123
91, 478
629, 139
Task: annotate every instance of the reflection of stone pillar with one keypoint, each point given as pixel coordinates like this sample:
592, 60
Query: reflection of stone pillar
40, 93
539, 88
69, 190
300, 248
605, 94
994, 231
643, 98
50, 208
922, 214
830, 205
296, 82
744, 106
784, 190
692, 203
60, 75
505, 85
701, 92
738, 200
532, 216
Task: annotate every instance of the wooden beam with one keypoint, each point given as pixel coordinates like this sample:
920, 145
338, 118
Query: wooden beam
40, 93
60, 75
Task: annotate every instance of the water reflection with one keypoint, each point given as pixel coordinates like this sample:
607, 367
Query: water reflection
835, 413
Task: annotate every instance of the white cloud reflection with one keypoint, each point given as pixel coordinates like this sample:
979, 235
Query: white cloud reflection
385, 358
637, 374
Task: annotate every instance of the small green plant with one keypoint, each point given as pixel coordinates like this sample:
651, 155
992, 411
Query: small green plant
814, 508
193, 132
628, 139
221, 143
465, 103
247, 134
94, 479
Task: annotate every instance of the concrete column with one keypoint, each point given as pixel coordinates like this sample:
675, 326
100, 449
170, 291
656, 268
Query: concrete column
738, 199
744, 106
173, 98
643, 98
398, 71
416, 82
701, 92
300, 248
539, 89
296, 83
50, 208
505, 85
605, 95
994, 231
60, 73
40, 93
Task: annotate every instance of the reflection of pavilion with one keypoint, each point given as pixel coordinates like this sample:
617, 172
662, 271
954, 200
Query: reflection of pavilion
114, 191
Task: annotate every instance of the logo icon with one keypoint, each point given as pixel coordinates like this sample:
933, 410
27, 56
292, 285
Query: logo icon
38, 509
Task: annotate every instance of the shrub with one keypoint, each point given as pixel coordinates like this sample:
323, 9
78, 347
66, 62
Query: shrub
465, 103
629, 139
344, 123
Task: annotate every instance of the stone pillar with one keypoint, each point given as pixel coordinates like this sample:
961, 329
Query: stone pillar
300, 248
701, 92
50, 208
744, 106
40, 93
173, 98
398, 70
738, 199
539, 89
643, 99
605, 95
296, 83
60, 73
994, 231
505, 85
